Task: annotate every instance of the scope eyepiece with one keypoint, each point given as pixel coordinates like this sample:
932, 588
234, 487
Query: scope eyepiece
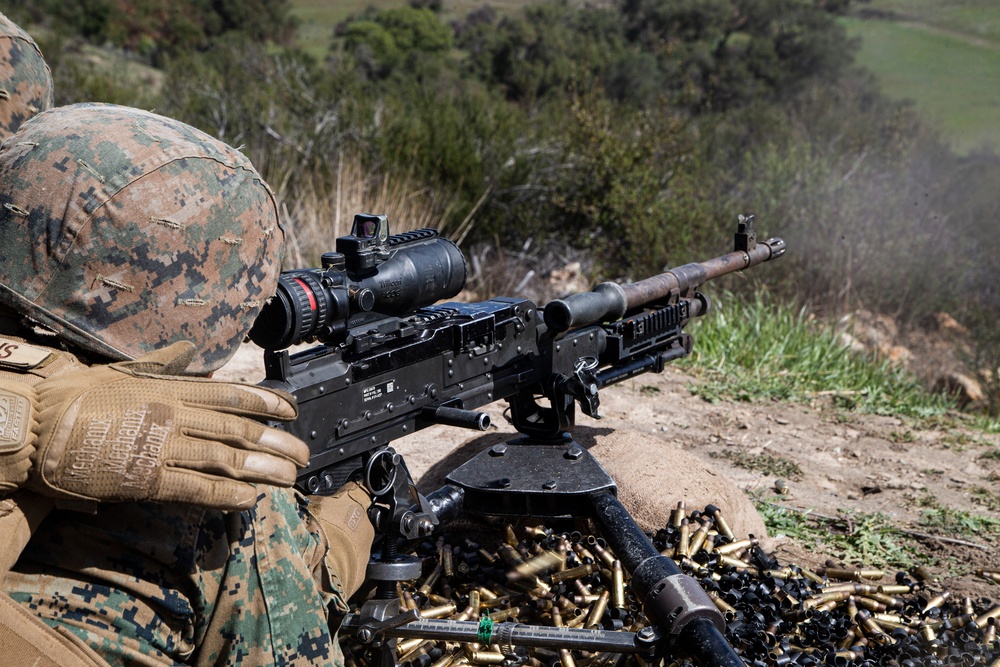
372, 272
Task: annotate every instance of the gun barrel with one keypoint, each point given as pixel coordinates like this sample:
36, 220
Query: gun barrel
694, 274
610, 301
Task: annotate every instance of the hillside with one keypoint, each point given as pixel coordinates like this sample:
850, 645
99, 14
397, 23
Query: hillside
944, 56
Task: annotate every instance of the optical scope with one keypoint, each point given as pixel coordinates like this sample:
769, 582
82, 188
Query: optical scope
371, 275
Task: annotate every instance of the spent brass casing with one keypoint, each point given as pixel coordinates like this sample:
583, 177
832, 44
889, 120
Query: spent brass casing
990, 633
496, 603
967, 606
486, 594
509, 536
431, 579
737, 563
698, 538
736, 546
504, 614
895, 589
888, 600
486, 658
447, 561
810, 575
956, 622
537, 532
617, 585
694, 566
893, 621
509, 555
557, 619
923, 573
871, 605
574, 572
445, 660
546, 561
936, 601
852, 575
583, 553
597, 610
984, 618
407, 645
684, 542
720, 522
605, 555
566, 658
678, 514
439, 611
823, 598
827, 606
872, 629
728, 610
848, 641
582, 589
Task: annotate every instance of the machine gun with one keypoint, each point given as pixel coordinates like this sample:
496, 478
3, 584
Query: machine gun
393, 360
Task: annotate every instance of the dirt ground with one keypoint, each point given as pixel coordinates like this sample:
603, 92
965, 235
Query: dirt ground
848, 461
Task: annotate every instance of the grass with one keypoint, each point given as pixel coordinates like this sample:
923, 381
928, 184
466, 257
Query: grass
760, 350
973, 18
766, 464
952, 522
867, 540
943, 56
323, 211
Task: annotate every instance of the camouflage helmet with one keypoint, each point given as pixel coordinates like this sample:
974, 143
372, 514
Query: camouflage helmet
25, 81
124, 231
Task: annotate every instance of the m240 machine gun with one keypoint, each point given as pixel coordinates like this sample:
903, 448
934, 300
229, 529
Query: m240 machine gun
393, 360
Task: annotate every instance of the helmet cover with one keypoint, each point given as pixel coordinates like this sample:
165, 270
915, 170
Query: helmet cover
25, 80
124, 231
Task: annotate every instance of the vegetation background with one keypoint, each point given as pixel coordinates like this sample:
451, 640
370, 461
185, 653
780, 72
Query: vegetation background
624, 133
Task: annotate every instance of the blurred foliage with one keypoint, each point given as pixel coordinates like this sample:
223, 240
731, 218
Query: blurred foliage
635, 129
156, 30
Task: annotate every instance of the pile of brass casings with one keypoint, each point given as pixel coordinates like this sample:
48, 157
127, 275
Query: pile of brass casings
775, 615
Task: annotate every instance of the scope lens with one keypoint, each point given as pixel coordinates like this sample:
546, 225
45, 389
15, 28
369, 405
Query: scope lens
299, 308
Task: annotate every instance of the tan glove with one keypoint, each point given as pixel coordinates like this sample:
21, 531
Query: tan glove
127, 431
344, 517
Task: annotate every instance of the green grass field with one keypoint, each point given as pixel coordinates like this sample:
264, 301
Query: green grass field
943, 56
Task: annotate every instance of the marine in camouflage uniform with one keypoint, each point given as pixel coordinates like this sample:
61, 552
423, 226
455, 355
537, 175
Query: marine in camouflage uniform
25, 80
122, 231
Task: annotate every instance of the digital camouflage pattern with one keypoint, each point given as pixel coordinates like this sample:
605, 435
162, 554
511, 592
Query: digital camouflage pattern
25, 80
124, 231
146, 584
